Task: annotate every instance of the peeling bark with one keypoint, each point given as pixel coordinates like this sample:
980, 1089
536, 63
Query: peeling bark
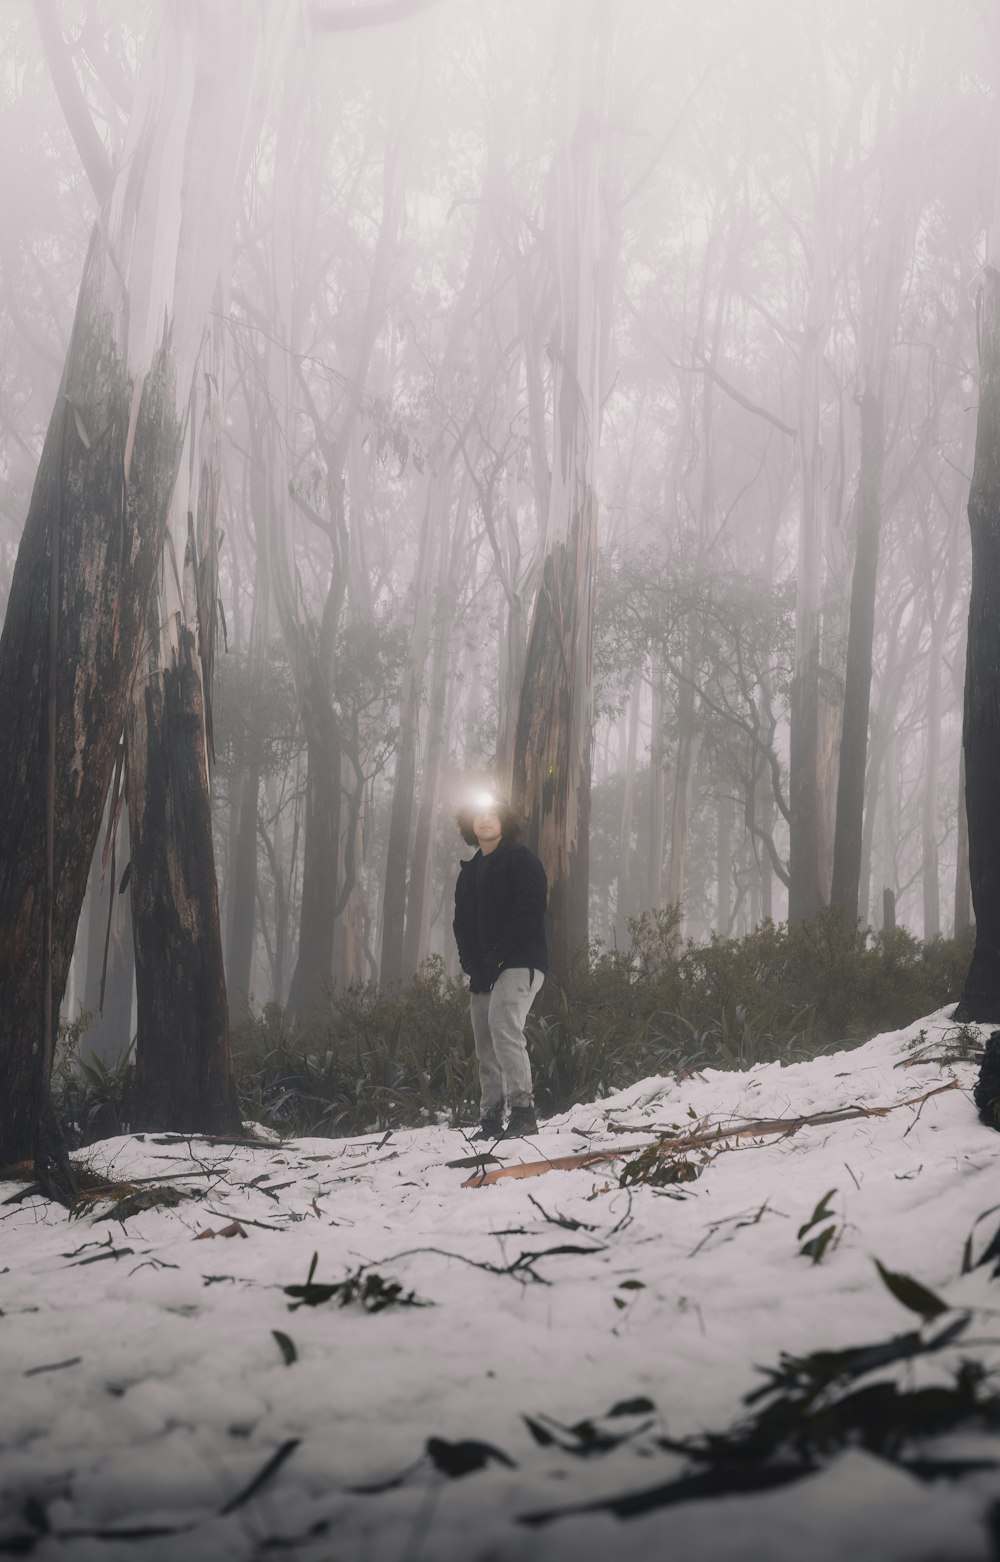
847, 851
184, 1078
184, 1075
101, 496
554, 733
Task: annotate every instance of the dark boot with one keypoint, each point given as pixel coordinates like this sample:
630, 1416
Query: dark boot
522, 1121
490, 1129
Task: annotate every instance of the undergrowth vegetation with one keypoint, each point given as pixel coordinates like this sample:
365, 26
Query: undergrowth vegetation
658, 1007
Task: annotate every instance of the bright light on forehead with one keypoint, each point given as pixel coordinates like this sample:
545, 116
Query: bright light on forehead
484, 800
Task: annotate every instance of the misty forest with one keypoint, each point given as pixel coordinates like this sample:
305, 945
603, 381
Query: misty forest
592, 406
578, 398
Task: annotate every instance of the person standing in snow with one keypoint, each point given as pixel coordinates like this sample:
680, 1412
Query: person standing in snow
500, 900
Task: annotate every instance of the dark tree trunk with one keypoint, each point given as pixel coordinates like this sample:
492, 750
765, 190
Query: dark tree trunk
184, 1075
981, 725
243, 894
313, 975
552, 755
98, 511
846, 887
109, 540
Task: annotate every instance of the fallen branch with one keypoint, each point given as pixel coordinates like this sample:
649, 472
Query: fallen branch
763, 1128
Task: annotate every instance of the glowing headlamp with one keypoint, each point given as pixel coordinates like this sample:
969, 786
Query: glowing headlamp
485, 802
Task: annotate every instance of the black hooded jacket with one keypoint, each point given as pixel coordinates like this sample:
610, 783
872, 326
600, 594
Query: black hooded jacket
500, 913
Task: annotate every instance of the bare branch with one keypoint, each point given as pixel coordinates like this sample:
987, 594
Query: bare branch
88, 143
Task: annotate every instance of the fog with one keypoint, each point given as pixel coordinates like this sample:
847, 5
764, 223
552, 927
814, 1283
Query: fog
677, 298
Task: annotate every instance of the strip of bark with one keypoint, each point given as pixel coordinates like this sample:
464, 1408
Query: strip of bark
762, 1128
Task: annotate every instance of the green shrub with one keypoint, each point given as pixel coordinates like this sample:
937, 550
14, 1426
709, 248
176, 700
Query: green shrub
373, 1061
92, 1099
376, 1061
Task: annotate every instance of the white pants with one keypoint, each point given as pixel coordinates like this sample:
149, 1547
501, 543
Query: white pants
498, 1027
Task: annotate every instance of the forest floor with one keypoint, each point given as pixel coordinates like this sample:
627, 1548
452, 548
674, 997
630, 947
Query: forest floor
165, 1395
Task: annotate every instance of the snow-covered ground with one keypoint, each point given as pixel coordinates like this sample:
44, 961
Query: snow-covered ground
151, 1370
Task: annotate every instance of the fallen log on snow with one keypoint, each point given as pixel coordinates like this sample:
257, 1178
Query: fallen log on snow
759, 1129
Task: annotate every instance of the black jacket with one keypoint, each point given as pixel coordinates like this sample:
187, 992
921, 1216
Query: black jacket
500, 913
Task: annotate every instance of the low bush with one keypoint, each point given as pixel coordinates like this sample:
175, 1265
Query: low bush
372, 1061
661, 1006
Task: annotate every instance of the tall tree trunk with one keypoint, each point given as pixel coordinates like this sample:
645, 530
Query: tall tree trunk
804, 895
981, 722
552, 751
434, 528
890, 817
845, 890
657, 790
241, 922
724, 866
312, 978
929, 807
184, 1071
418, 899
686, 759
184, 1076
96, 521
391, 966
627, 764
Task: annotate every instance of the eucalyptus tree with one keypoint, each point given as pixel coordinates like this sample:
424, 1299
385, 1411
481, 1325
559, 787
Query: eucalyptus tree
183, 1068
77, 608
552, 750
444, 516
898, 163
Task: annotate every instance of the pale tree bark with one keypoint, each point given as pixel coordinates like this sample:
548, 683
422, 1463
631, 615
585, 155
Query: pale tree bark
311, 644
96, 522
804, 892
724, 866
941, 604
518, 567
882, 280
552, 754
760, 818
685, 766
698, 419
890, 819
847, 850
243, 869
629, 749
392, 969
416, 941
394, 962
657, 790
